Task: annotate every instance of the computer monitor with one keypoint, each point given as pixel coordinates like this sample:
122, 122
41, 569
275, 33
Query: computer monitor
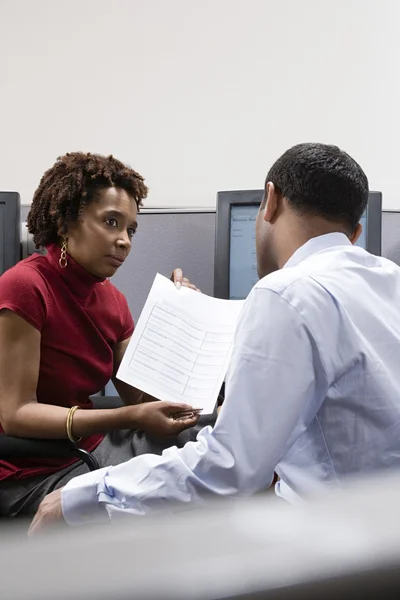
235, 267
10, 230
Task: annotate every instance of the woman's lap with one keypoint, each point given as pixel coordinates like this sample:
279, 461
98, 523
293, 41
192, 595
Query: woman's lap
22, 497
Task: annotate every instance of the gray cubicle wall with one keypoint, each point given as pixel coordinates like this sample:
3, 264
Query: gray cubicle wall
391, 235
168, 238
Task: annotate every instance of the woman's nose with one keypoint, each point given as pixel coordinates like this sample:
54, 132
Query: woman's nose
123, 241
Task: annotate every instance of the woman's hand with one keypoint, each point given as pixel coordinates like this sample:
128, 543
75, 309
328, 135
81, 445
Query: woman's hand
179, 280
166, 419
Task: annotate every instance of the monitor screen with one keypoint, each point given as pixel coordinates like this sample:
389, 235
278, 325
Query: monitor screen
10, 227
235, 271
242, 253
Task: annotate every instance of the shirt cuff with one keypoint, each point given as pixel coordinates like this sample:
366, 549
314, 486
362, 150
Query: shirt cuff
282, 490
79, 500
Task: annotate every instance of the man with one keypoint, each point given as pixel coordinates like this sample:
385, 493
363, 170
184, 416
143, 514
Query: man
313, 388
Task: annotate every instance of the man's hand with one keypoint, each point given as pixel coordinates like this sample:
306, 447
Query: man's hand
49, 513
179, 280
166, 419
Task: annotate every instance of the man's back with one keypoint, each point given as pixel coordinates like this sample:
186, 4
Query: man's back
347, 300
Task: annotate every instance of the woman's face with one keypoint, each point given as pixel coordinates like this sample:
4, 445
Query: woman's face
101, 240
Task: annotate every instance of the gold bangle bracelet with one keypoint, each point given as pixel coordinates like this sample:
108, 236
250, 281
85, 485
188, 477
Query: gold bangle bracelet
68, 424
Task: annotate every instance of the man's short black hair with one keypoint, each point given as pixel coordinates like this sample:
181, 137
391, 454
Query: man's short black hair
322, 180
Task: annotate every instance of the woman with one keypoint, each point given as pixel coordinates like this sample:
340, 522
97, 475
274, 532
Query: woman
65, 329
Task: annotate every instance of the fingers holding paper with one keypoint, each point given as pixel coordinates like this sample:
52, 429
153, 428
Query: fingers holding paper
179, 280
180, 348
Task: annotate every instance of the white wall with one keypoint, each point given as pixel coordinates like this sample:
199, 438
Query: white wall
201, 95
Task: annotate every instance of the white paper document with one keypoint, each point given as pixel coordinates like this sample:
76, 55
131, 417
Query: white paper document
181, 345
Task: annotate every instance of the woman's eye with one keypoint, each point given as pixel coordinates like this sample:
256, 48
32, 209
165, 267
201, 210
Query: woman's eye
112, 222
131, 232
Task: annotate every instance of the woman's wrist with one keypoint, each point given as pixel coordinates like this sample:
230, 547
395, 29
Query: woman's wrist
89, 422
129, 417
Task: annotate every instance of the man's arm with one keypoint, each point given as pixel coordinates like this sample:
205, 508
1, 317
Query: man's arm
275, 386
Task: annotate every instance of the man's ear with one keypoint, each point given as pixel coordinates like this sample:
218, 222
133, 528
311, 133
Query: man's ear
356, 233
271, 203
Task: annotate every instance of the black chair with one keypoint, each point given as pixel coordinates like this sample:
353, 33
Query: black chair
14, 448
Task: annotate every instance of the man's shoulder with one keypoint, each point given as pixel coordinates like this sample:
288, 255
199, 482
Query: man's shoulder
279, 281
299, 288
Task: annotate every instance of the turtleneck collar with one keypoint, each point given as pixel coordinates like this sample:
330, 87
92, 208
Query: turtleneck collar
79, 281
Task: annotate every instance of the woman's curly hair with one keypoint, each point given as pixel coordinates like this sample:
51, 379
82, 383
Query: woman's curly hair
70, 184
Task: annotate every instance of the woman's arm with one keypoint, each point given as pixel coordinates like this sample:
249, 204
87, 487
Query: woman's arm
21, 415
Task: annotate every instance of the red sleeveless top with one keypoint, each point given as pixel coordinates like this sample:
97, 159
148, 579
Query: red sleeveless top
80, 321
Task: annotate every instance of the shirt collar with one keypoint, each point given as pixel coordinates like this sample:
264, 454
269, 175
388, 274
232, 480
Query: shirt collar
317, 244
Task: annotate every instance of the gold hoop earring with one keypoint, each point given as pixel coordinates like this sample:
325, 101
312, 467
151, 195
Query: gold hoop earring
63, 259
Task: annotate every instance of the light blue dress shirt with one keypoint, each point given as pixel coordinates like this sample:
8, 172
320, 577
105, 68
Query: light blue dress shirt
312, 392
